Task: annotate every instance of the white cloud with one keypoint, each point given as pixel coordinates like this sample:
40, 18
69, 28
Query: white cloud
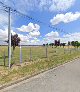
34, 34
52, 34
23, 38
61, 5
3, 19
36, 27
73, 36
66, 18
28, 5
29, 28
35, 41
50, 37
56, 5
32, 29
4, 34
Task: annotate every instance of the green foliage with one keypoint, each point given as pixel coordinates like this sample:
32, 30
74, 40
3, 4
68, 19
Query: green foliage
15, 40
75, 43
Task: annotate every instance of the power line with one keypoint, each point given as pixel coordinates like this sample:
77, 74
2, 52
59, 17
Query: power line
30, 18
6, 8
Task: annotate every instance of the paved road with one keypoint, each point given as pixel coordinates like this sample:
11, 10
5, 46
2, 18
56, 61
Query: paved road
65, 78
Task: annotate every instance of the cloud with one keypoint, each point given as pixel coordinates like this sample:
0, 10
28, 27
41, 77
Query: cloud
56, 5
3, 19
50, 37
66, 18
36, 27
73, 36
29, 28
67, 37
4, 34
23, 38
52, 34
35, 41
61, 5
32, 29
29, 5
34, 33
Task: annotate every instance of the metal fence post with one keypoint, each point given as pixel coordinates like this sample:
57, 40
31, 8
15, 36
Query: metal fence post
46, 52
4, 57
64, 51
20, 54
70, 51
30, 54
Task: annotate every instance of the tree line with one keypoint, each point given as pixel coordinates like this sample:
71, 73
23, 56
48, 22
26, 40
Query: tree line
58, 43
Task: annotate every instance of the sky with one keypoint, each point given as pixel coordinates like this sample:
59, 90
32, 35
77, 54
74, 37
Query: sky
62, 15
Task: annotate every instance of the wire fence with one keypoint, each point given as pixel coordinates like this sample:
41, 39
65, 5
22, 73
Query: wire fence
29, 53
34, 54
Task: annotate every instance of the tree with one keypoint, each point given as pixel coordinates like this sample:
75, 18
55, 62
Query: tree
51, 44
43, 44
57, 43
75, 43
69, 43
15, 40
47, 44
63, 44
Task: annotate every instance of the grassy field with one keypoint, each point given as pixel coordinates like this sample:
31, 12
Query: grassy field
56, 56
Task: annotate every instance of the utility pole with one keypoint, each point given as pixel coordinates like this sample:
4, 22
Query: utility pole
9, 39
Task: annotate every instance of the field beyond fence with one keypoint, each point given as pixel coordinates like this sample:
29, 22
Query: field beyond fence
33, 59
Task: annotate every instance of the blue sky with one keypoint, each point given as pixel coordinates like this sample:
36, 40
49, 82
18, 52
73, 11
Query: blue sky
62, 14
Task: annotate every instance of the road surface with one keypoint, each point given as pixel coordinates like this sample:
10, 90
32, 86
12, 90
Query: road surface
65, 78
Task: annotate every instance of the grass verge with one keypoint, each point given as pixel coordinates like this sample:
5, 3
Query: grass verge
37, 65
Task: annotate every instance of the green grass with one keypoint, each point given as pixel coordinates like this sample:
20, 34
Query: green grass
56, 56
